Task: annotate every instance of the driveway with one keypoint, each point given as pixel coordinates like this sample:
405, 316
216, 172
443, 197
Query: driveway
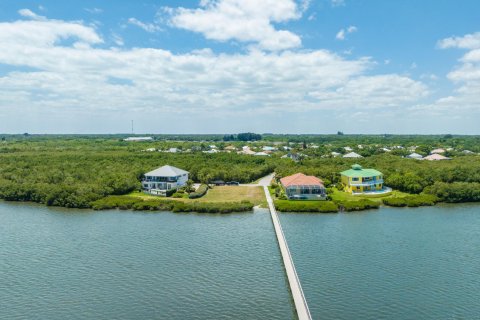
263, 182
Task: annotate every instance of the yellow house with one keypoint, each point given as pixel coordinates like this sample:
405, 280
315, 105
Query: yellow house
359, 180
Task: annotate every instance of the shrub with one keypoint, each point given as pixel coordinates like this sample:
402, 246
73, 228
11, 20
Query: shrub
412, 201
306, 206
201, 191
358, 205
455, 192
178, 195
210, 207
170, 192
113, 202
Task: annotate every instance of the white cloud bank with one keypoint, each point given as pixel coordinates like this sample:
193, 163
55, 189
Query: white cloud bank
464, 101
68, 77
248, 21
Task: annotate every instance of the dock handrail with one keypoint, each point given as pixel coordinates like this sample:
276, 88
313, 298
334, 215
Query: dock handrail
301, 305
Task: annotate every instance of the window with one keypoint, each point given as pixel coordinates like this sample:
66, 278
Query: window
355, 179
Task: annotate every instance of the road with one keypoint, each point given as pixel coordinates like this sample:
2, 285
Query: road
263, 182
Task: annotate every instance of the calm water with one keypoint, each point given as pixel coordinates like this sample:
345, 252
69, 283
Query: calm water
389, 264
386, 264
58, 264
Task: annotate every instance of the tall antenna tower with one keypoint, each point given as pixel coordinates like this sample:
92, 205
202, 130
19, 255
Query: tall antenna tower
132, 126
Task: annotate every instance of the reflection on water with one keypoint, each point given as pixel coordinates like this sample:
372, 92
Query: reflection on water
389, 264
80, 264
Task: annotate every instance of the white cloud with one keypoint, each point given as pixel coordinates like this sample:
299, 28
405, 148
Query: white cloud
117, 39
27, 13
305, 4
67, 79
341, 35
241, 20
149, 27
464, 101
94, 10
337, 3
469, 41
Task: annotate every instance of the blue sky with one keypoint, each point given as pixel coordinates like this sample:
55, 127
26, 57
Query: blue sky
220, 66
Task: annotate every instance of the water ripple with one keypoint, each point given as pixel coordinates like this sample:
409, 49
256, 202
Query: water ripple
56, 264
389, 264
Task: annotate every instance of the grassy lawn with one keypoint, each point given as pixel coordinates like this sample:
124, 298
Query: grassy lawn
340, 195
219, 194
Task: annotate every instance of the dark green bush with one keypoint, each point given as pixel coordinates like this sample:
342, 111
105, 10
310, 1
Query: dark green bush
305, 206
201, 191
125, 203
363, 204
455, 191
411, 201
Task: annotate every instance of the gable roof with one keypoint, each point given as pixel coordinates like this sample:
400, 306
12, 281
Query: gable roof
435, 156
352, 155
300, 179
166, 171
415, 156
358, 171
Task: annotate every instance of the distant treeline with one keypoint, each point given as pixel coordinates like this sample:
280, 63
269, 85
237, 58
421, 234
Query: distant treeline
247, 136
76, 171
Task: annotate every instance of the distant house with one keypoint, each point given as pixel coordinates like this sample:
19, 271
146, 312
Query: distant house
138, 139
302, 187
230, 148
247, 151
359, 180
439, 150
415, 156
436, 157
267, 148
352, 155
294, 156
211, 151
159, 181
173, 150
263, 154
335, 154
348, 149
467, 152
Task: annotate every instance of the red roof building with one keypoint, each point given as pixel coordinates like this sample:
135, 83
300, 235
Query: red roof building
302, 187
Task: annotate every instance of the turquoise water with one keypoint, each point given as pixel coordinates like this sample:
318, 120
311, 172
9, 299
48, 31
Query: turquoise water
58, 264
389, 264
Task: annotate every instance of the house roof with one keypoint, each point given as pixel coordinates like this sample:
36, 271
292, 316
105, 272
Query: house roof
358, 171
415, 156
300, 179
439, 150
436, 156
352, 155
166, 171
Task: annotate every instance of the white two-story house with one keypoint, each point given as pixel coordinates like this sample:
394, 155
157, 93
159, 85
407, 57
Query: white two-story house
159, 181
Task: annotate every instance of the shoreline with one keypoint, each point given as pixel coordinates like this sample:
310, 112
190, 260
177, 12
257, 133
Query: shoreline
253, 208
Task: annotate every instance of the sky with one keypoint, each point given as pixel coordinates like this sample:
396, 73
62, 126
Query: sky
228, 66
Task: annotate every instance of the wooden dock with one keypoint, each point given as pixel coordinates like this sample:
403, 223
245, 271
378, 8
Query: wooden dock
301, 305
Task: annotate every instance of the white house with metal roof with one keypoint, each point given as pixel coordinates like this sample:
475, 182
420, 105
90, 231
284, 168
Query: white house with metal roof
159, 181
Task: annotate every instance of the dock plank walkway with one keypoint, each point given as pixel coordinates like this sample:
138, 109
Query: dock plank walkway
299, 300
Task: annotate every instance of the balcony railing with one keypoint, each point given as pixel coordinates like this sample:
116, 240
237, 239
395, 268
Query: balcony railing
366, 183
